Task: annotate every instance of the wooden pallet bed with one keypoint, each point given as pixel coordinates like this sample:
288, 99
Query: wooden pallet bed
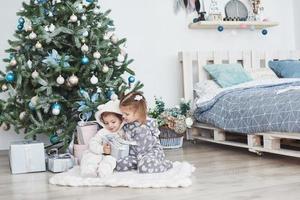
192, 69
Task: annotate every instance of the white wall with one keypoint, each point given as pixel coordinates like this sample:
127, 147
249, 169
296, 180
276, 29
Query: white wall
297, 22
155, 35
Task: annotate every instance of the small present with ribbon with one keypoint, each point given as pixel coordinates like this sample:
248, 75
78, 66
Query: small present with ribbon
86, 130
59, 162
27, 156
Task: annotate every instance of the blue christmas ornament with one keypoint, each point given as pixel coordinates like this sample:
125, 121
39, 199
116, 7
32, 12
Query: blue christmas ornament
264, 31
90, 1
54, 139
42, 1
10, 77
20, 27
56, 106
220, 28
21, 20
131, 79
31, 106
85, 60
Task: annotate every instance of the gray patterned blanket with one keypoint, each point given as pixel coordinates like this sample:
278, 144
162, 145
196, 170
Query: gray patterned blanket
262, 108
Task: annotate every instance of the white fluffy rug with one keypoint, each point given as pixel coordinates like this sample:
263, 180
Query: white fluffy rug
178, 176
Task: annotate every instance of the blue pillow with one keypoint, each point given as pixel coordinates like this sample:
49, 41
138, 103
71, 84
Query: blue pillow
286, 68
227, 75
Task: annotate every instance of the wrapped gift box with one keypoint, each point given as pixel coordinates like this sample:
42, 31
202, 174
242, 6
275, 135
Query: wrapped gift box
85, 131
59, 162
119, 146
27, 156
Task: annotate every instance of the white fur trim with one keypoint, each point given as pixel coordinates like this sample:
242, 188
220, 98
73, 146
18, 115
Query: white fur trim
178, 176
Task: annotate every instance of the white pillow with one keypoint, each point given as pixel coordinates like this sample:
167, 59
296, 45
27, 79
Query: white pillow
205, 90
262, 73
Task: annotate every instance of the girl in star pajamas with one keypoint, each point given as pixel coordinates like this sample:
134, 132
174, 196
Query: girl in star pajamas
147, 156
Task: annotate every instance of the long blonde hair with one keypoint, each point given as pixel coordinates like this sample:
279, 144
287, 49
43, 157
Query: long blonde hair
137, 102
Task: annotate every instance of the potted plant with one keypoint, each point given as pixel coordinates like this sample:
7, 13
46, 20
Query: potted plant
172, 122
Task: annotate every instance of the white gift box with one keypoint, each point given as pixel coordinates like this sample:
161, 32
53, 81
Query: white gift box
60, 162
27, 156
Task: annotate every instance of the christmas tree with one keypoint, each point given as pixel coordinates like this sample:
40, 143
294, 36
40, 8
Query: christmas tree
65, 60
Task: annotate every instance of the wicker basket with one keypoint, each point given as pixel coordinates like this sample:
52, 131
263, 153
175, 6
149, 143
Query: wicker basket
169, 139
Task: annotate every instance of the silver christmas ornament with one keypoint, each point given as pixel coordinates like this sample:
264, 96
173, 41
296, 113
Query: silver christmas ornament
4, 87
94, 80
60, 80
55, 111
35, 74
84, 48
32, 36
96, 55
105, 69
83, 17
22, 115
121, 58
73, 80
73, 18
114, 39
38, 45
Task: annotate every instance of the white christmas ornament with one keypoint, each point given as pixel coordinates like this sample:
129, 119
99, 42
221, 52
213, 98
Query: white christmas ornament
60, 80
4, 87
96, 55
114, 39
55, 111
105, 69
121, 58
38, 45
51, 28
85, 34
94, 80
73, 18
13, 62
22, 115
83, 17
84, 48
73, 80
96, 11
32, 35
35, 74
189, 122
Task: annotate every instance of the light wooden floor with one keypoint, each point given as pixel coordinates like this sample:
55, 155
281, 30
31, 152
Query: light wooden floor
222, 173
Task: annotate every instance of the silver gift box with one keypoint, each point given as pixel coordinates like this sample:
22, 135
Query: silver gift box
119, 146
60, 162
27, 156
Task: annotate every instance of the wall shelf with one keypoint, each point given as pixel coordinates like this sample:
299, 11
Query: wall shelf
232, 24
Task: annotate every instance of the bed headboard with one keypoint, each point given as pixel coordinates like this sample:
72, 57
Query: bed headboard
193, 62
